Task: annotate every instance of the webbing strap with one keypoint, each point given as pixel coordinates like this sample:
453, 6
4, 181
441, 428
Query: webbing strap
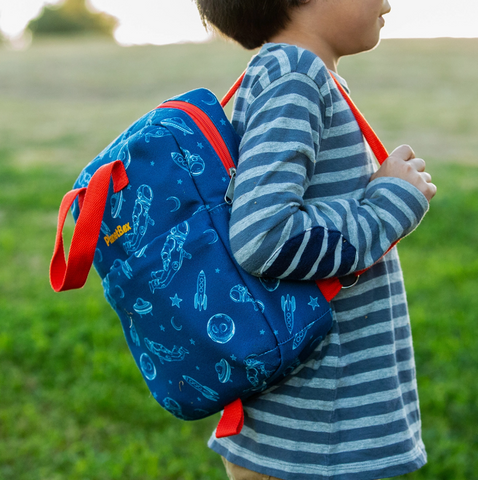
330, 287
232, 420
70, 274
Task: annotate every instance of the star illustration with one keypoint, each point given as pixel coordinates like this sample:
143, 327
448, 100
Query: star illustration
200, 145
180, 182
223, 122
314, 303
262, 332
218, 270
162, 328
176, 300
233, 358
192, 342
152, 164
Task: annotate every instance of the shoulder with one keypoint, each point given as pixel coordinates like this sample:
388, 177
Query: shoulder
282, 74
288, 67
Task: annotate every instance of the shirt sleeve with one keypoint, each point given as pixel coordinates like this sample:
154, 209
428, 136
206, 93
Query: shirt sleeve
273, 231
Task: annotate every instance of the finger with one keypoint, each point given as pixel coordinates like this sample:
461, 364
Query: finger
426, 176
418, 163
432, 190
405, 152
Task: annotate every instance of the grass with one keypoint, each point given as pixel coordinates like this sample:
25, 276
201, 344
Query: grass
72, 403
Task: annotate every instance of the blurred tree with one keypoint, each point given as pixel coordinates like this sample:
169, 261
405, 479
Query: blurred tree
71, 17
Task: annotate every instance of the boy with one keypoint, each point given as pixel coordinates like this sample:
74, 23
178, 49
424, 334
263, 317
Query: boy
305, 179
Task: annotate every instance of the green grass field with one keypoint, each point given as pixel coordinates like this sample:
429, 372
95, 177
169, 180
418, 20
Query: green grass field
72, 403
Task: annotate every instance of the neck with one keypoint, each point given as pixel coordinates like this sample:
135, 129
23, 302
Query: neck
316, 45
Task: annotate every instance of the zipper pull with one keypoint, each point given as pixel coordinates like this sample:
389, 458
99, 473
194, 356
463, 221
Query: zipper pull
229, 196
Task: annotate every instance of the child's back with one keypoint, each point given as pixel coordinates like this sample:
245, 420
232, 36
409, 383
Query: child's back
305, 208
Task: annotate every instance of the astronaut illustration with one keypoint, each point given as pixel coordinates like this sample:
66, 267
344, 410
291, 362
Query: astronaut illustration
141, 219
256, 368
172, 255
176, 354
83, 179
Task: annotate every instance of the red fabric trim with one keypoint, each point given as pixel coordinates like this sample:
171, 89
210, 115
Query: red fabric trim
329, 287
232, 420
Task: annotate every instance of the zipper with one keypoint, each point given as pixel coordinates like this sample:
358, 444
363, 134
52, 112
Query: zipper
208, 129
213, 136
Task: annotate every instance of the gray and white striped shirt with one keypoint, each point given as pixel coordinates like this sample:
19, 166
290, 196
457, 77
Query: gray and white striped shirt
304, 209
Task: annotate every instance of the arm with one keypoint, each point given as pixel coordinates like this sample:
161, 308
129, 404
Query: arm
274, 232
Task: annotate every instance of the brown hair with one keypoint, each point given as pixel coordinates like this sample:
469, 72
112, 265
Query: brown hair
249, 22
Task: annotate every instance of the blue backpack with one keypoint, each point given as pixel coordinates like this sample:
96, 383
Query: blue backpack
152, 213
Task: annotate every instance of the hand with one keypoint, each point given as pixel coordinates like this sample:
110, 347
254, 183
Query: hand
403, 164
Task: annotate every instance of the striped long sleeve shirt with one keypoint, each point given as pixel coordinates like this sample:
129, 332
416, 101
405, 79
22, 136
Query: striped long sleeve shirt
304, 208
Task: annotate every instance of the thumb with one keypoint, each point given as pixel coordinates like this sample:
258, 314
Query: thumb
404, 152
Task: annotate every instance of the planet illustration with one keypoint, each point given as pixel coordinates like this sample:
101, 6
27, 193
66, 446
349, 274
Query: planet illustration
147, 367
143, 307
173, 407
221, 328
223, 370
116, 202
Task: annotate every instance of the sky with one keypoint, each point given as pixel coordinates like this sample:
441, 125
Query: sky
173, 21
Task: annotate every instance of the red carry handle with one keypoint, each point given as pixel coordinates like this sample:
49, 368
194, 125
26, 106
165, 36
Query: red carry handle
71, 274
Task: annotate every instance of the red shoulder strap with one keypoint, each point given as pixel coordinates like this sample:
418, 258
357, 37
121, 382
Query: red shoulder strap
232, 90
371, 137
330, 287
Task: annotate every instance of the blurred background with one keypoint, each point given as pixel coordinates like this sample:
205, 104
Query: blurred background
74, 75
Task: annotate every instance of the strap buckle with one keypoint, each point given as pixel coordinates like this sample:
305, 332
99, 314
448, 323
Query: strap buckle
349, 281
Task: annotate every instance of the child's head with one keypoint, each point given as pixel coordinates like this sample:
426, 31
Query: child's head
249, 22
329, 28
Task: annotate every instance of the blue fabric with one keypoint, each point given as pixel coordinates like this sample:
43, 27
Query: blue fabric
202, 331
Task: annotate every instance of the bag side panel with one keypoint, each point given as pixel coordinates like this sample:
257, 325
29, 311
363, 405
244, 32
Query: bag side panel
193, 331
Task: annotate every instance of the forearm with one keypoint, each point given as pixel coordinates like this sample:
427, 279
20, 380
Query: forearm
297, 240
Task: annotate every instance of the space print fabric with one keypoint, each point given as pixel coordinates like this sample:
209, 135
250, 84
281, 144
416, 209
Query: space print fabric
202, 331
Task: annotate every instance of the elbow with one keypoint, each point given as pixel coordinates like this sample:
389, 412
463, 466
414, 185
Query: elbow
248, 256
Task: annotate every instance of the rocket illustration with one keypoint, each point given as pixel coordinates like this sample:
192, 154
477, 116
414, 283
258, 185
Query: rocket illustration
288, 307
200, 298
